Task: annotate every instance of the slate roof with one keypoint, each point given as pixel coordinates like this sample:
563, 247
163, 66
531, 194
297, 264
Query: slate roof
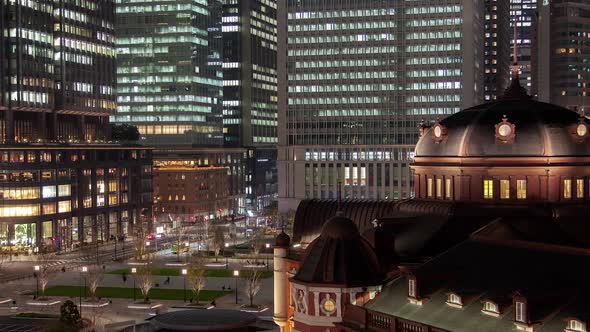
555, 284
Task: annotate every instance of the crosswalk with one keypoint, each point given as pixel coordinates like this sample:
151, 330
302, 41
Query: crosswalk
20, 328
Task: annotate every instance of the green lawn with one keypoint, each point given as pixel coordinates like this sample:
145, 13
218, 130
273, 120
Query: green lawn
127, 293
167, 271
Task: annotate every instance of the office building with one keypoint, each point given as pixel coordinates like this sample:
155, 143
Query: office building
250, 92
356, 78
496, 48
525, 13
563, 71
189, 193
169, 79
233, 160
62, 184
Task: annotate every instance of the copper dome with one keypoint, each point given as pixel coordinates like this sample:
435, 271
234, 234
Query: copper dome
340, 256
282, 240
538, 129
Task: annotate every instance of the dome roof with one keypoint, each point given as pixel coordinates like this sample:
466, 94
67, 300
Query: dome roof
282, 240
340, 256
538, 129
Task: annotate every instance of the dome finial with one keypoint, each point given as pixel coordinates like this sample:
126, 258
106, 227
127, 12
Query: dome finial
515, 90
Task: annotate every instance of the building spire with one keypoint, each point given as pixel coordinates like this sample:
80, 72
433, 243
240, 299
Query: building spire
515, 68
515, 90
339, 210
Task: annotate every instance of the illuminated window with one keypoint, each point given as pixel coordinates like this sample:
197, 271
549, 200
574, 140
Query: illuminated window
567, 188
576, 325
429, 187
412, 287
488, 189
519, 314
490, 307
63, 206
521, 189
439, 188
448, 188
579, 188
454, 299
505, 189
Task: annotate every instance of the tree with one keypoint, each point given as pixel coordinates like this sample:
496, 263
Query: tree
257, 243
4, 257
145, 280
218, 240
253, 283
94, 276
69, 314
139, 241
197, 275
179, 232
124, 132
44, 261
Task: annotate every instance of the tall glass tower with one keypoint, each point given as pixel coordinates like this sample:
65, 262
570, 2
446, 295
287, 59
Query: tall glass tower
169, 79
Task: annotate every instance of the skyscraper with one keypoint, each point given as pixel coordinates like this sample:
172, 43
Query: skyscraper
563, 70
61, 184
356, 78
169, 78
250, 91
496, 48
525, 13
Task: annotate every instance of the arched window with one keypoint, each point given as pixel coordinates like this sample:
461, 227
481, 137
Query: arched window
490, 306
576, 325
454, 299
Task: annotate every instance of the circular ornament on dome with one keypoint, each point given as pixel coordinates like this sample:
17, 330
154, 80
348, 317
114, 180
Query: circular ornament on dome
439, 132
505, 131
329, 305
579, 130
582, 129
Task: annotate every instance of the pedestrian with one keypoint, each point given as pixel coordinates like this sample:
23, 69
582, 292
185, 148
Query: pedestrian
124, 277
168, 281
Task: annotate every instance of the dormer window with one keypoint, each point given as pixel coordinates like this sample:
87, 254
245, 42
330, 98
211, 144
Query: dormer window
412, 288
454, 300
574, 325
520, 312
490, 308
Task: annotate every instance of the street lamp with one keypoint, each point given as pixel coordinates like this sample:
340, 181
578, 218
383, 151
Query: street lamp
267, 247
236, 275
184, 271
134, 271
11, 244
36, 273
225, 254
147, 244
84, 270
186, 245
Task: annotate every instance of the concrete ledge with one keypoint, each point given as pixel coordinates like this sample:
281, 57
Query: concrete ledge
98, 304
144, 306
43, 303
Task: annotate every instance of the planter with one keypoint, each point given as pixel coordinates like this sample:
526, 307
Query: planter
43, 302
144, 306
95, 303
253, 308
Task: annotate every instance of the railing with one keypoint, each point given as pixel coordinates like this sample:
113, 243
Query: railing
379, 320
356, 317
